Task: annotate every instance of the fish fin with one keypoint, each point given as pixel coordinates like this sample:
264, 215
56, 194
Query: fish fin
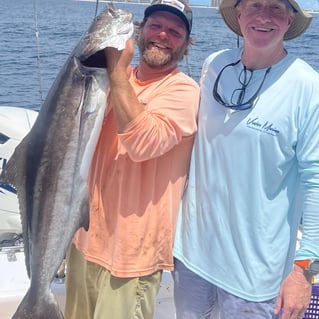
8, 175
14, 174
15, 170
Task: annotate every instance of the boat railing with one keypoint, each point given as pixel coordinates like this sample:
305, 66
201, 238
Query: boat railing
11, 247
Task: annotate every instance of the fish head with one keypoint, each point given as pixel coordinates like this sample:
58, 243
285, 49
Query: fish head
111, 28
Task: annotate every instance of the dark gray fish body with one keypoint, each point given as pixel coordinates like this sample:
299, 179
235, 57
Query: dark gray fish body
49, 168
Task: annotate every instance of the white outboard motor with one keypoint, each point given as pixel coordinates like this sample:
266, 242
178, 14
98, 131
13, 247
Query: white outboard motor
15, 123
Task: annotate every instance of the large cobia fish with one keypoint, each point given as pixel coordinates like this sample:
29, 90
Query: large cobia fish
49, 168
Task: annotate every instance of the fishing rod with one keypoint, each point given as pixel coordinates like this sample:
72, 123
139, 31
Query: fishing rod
38, 50
96, 7
37, 42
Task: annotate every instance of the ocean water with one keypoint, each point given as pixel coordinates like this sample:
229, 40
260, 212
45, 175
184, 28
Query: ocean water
38, 35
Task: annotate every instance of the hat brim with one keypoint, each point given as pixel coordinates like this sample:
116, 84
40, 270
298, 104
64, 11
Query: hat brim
299, 25
162, 7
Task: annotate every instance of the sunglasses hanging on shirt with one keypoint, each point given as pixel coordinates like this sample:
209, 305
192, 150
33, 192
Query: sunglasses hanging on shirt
238, 95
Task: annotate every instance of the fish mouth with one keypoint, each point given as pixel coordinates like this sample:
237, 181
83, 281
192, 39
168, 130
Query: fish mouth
96, 60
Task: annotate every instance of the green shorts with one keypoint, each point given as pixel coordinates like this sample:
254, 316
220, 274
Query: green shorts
93, 293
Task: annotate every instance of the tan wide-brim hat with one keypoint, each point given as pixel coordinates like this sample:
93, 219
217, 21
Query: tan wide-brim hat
299, 25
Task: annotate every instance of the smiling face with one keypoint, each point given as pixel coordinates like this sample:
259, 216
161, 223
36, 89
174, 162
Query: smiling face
264, 23
163, 40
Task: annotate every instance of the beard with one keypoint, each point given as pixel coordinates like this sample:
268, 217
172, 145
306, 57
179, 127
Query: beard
158, 59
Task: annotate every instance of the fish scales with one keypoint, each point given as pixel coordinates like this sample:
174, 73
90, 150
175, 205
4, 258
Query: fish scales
50, 167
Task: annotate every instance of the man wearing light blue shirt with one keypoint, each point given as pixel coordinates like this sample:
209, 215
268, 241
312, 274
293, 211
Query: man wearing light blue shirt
254, 173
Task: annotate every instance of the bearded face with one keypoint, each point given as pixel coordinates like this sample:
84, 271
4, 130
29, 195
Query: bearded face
156, 58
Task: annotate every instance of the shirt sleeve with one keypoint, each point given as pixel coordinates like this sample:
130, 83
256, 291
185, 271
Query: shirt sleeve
169, 116
307, 150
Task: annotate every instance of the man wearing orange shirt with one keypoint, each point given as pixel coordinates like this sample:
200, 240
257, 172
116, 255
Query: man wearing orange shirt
138, 173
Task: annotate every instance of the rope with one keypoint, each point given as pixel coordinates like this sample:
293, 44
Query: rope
188, 67
38, 50
38, 46
96, 7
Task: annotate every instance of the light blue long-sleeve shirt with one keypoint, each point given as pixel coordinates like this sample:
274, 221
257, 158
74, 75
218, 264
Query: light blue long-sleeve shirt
252, 175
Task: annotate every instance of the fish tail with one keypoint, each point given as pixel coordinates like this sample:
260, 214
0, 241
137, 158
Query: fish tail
38, 307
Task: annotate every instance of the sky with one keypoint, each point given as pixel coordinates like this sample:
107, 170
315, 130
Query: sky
200, 2
308, 4
305, 4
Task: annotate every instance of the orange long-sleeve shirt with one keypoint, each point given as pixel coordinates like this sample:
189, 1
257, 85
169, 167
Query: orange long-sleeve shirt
137, 179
